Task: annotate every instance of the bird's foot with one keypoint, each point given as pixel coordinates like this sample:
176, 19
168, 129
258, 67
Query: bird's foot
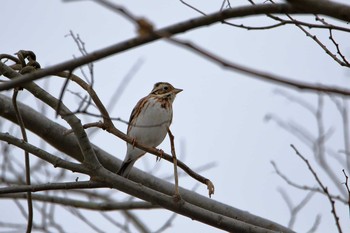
133, 143
176, 197
159, 157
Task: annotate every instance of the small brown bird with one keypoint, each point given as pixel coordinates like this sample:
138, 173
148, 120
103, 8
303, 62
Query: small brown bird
149, 122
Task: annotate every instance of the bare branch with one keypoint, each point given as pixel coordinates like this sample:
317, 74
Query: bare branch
315, 225
300, 25
344, 62
27, 162
167, 224
54, 160
89, 205
346, 183
142, 227
332, 9
294, 210
79, 215
84, 143
304, 187
52, 186
192, 7
258, 74
324, 188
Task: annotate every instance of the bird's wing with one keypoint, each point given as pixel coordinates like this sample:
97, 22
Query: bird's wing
135, 112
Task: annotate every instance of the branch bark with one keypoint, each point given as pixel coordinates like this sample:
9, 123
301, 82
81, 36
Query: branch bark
158, 191
336, 10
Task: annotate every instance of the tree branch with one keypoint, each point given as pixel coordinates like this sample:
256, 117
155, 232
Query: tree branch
52, 133
44, 155
324, 188
259, 74
89, 205
52, 186
330, 9
27, 161
75, 123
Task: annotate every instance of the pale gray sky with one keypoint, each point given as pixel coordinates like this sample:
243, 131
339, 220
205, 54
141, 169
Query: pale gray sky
219, 116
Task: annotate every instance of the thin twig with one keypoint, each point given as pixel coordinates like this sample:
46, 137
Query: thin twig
79, 215
344, 114
304, 187
167, 224
27, 162
192, 7
316, 224
324, 188
82, 49
113, 221
139, 225
294, 209
347, 187
345, 61
144, 26
314, 38
60, 99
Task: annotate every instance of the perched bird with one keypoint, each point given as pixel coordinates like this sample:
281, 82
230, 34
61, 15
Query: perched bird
149, 122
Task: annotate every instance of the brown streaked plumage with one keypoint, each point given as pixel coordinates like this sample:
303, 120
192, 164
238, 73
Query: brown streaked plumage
149, 121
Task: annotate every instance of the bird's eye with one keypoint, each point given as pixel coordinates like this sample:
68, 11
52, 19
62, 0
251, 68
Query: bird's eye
165, 88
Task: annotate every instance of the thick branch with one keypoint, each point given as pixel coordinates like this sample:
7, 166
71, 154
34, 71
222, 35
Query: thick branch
53, 134
182, 207
330, 8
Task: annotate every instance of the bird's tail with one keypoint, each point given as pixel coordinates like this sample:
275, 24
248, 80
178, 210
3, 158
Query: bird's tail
125, 168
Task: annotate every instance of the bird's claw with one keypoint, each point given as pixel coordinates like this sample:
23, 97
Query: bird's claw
159, 157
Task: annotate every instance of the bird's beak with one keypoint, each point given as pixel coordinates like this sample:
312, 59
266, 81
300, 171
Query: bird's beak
176, 90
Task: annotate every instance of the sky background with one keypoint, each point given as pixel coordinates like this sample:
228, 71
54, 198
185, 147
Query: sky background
218, 118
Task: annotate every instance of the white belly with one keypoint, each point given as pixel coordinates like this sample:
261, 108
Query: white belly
151, 125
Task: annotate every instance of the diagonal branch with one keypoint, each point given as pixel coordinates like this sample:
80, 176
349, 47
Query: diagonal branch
323, 187
330, 9
259, 74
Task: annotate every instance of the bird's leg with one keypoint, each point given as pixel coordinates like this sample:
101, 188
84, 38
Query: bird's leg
158, 158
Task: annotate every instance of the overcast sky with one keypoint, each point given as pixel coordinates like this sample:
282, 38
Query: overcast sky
219, 117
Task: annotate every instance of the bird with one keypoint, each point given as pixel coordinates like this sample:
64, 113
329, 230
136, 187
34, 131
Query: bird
149, 122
